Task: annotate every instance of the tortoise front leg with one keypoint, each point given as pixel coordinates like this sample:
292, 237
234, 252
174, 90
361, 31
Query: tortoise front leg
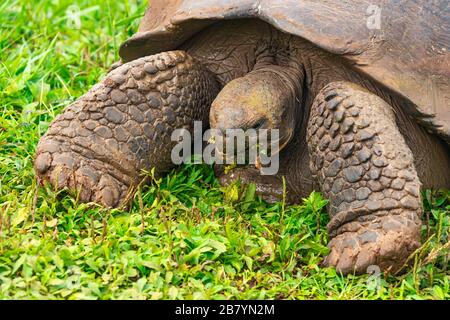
366, 170
99, 144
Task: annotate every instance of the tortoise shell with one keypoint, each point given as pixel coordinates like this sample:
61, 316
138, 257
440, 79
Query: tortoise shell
407, 51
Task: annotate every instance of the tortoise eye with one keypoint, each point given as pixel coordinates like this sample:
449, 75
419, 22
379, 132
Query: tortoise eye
259, 124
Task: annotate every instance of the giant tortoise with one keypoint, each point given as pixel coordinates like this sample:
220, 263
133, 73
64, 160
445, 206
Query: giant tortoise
363, 109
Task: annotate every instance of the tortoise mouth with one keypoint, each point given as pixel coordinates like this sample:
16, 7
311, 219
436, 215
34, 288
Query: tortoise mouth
250, 150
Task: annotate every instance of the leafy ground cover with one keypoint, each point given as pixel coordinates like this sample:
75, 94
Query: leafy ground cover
184, 237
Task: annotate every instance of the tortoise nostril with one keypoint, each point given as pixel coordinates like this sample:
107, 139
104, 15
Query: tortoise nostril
218, 118
212, 118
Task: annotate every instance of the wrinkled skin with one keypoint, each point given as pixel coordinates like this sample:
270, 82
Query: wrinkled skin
342, 134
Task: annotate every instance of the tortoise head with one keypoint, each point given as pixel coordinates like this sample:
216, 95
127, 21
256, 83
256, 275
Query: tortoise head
265, 98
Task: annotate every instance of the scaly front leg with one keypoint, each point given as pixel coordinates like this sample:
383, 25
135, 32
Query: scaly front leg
366, 170
99, 144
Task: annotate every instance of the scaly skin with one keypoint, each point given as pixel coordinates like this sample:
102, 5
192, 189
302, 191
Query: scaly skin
99, 145
366, 169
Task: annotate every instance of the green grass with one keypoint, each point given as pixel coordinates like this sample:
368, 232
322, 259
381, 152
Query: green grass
184, 237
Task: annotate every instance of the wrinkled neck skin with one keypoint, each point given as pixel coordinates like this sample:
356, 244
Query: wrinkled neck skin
236, 48
233, 49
